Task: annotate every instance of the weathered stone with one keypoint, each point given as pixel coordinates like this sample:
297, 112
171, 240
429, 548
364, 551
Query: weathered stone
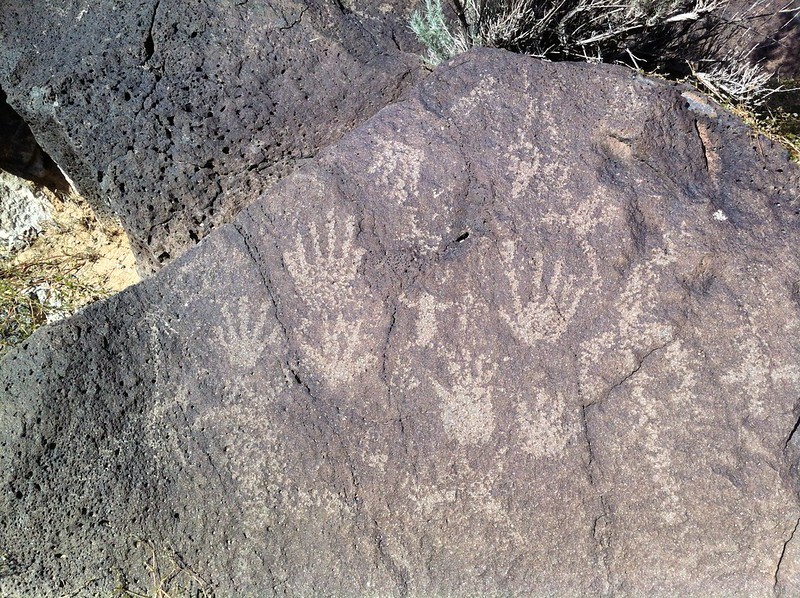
532, 331
24, 208
178, 114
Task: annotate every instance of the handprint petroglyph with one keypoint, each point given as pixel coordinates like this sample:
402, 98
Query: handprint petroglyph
398, 167
652, 424
465, 387
530, 170
395, 170
550, 305
639, 326
256, 457
467, 412
158, 328
324, 266
340, 353
524, 163
486, 87
428, 307
542, 427
244, 334
751, 376
475, 493
655, 455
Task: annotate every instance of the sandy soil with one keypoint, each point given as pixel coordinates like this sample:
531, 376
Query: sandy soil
77, 231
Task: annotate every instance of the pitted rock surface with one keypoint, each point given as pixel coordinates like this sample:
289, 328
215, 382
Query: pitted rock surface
533, 330
178, 114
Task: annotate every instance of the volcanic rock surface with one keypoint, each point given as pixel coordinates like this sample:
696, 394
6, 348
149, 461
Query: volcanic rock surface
533, 330
178, 114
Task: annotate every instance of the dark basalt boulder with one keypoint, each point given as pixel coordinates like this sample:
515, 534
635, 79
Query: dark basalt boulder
534, 330
177, 114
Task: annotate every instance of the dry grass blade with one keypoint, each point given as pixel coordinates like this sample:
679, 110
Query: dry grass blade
169, 577
77, 258
43, 290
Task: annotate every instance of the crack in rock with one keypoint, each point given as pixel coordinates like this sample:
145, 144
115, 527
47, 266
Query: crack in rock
791, 434
149, 44
776, 586
399, 573
634, 371
601, 525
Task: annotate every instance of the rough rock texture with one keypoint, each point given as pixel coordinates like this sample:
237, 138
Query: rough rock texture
179, 113
24, 207
534, 330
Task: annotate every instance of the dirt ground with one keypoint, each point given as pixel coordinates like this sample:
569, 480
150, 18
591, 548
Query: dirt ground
77, 231
77, 259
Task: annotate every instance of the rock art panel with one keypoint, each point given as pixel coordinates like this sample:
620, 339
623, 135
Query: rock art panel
449, 355
188, 113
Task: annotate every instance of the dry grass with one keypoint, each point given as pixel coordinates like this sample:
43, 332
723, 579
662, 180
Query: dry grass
783, 127
35, 292
169, 577
779, 119
593, 30
78, 259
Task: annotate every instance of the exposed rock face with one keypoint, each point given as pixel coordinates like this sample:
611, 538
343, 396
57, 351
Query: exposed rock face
24, 207
179, 114
532, 331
